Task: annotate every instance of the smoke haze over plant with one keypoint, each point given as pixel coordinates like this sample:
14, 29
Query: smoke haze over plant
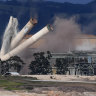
61, 40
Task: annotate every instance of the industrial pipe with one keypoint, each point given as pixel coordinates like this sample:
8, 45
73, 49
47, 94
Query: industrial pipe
27, 28
27, 43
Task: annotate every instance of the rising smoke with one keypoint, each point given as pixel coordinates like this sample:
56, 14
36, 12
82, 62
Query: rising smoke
86, 46
64, 37
61, 39
9, 34
32, 11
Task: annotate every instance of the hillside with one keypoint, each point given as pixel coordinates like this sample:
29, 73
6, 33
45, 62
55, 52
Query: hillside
45, 12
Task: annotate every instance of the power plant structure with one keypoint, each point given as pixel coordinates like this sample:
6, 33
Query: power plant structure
79, 62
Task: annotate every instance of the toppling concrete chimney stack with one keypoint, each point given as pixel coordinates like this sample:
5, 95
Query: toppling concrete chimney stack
27, 43
27, 28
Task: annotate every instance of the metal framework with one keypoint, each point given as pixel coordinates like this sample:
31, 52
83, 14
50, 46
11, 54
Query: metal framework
83, 62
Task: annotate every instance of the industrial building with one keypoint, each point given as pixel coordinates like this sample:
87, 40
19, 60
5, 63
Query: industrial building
82, 62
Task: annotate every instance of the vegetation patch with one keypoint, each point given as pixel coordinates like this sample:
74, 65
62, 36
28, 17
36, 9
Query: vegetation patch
15, 82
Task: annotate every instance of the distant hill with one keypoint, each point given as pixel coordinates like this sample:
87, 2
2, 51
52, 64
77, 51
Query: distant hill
45, 12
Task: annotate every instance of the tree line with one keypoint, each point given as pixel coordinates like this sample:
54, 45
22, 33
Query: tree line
40, 65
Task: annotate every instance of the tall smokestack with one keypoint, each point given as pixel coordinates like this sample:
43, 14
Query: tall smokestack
27, 28
27, 43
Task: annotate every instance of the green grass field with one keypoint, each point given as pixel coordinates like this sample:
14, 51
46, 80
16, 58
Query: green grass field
14, 83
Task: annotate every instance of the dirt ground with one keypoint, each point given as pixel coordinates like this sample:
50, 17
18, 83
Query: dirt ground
47, 93
63, 77
56, 89
62, 90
